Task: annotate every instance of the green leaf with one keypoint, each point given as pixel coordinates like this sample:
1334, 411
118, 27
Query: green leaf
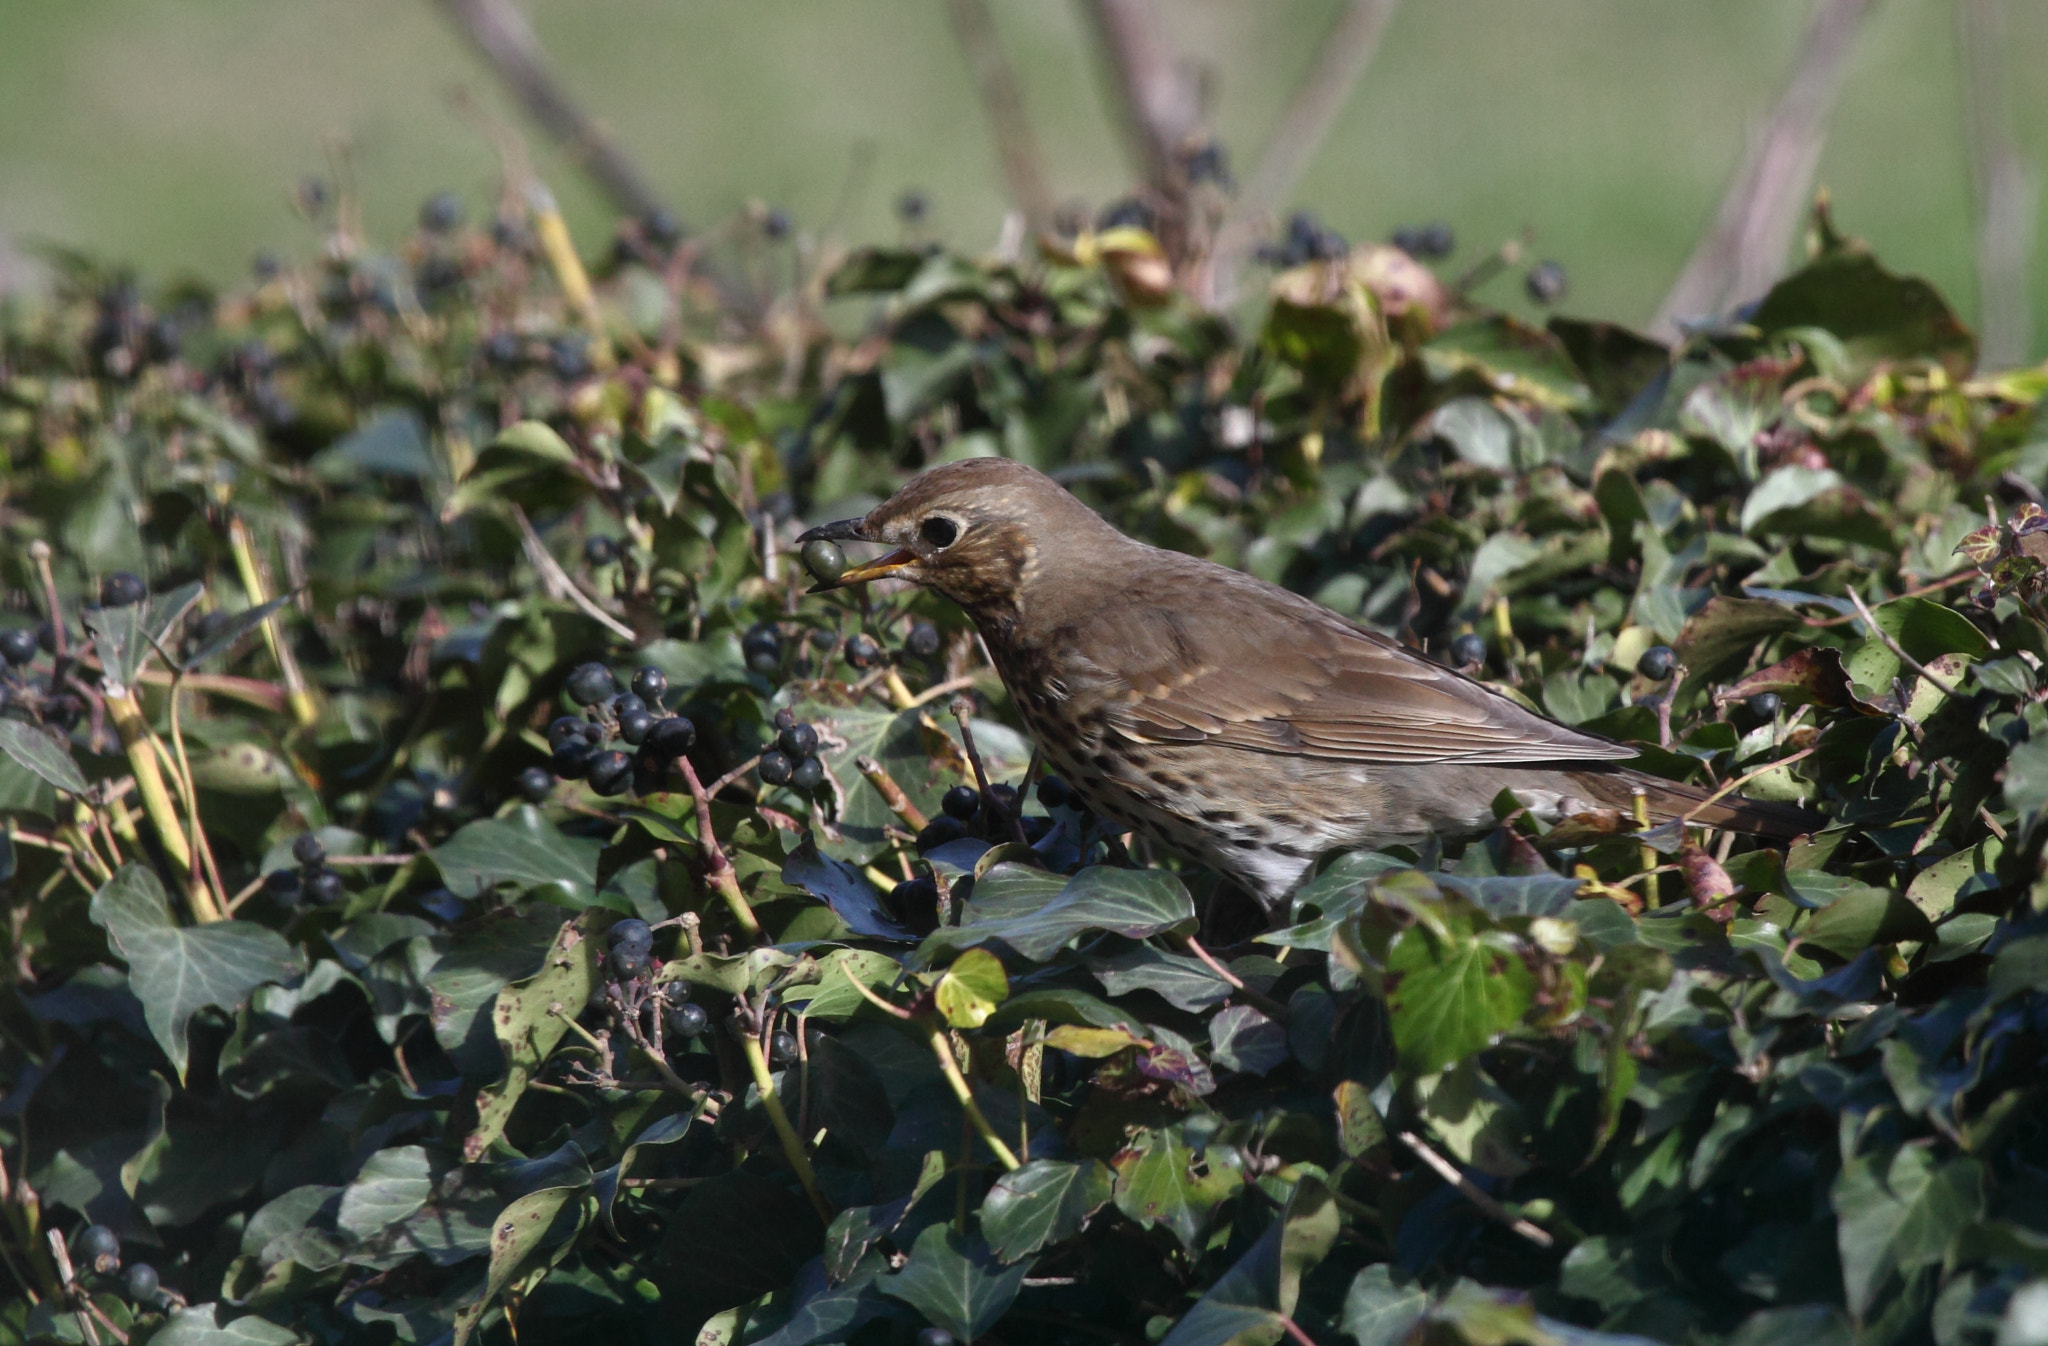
1160, 1181
955, 1282
201, 1325
40, 751
1377, 1312
391, 1185
522, 849
177, 971
126, 638
1924, 629
529, 1021
517, 1235
233, 629
1863, 917
1785, 488
874, 271
1452, 996
391, 442
1250, 1303
1243, 1039
1876, 316
1044, 1202
854, 900
971, 989
1899, 1211
1135, 903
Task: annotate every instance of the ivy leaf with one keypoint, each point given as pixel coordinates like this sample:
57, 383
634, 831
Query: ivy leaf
522, 849
955, 1282
40, 751
854, 900
1251, 1304
517, 1234
1452, 995
1135, 903
201, 1325
1161, 1182
389, 1188
971, 989
528, 1019
1899, 1211
177, 971
1044, 1202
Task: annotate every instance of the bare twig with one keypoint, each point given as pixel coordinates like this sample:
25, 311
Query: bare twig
1023, 168
1345, 52
718, 870
1732, 786
557, 582
1752, 232
506, 41
891, 793
979, 1119
1946, 687
1158, 100
778, 1117
1258, 1000
963, 711
1471, 1191
2007, 188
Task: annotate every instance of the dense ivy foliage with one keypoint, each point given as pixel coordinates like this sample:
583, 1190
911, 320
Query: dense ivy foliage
461, 888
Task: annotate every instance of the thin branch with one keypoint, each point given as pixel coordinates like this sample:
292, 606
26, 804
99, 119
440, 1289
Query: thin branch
962, 1091
558, 584
1472, 1192
2007, 188
1891, 643
507, 43
1158, 102
1002, 98
1745, 249
1345, 52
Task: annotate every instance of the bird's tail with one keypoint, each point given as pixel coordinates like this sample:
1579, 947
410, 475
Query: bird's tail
1616, 788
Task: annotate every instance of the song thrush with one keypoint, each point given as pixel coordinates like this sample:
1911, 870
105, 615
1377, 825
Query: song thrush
1227, 717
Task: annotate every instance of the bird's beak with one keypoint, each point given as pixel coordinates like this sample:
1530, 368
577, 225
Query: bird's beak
854, 530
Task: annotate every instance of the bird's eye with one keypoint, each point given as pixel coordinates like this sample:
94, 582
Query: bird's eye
939, 531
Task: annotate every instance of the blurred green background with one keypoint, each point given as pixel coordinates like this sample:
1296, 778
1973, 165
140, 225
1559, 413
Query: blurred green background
170, 133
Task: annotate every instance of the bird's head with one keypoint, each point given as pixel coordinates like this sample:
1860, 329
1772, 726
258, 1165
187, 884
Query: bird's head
981, 531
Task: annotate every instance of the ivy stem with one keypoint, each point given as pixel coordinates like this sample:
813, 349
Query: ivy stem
156, 800
963, 711
304, 710
792, 1144
892, 794
944, 1051
1258, 1000
718, 870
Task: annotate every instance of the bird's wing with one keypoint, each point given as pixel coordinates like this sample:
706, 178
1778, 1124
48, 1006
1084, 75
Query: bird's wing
1283, 675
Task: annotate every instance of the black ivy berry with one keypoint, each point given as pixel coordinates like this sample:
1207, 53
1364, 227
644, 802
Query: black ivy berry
567, 728
572, 760
324, 887
784, 718
776, 223
799, 740
962, 802
939, 831
611, 772
282, 884
569, 357
1005, 797
18, 645
912, 206
631, 932
761, 646
923, 640
781, 1047
600, 550
1764, 706
629, 961
503, 348
591, 683
662, 228
1052, 792
441, 212
776, 768
99, 1248
625, 703
634, 726
688, 1021
650, 684
536, 783
808, 774
1546, 283
123, 588
139, 1283
1468, 649
913, 898
862, 651
670, 737
824, 560
65, 711
1656, 663
307, 849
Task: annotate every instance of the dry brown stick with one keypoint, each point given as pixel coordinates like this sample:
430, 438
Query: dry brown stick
1157, 101
891, 793
1946, 687
2007, 188
506, 41
557, 581
1002, 98
1745, 248
1345, 52
963, 711
1471, 1191
1258, 1000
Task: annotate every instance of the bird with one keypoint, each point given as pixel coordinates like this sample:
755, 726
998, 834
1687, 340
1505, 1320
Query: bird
1233, 720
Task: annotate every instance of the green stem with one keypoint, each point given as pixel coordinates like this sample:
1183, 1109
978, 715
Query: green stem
792, 1144
944, 1051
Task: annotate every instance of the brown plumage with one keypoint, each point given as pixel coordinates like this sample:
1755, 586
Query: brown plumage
1226, 716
